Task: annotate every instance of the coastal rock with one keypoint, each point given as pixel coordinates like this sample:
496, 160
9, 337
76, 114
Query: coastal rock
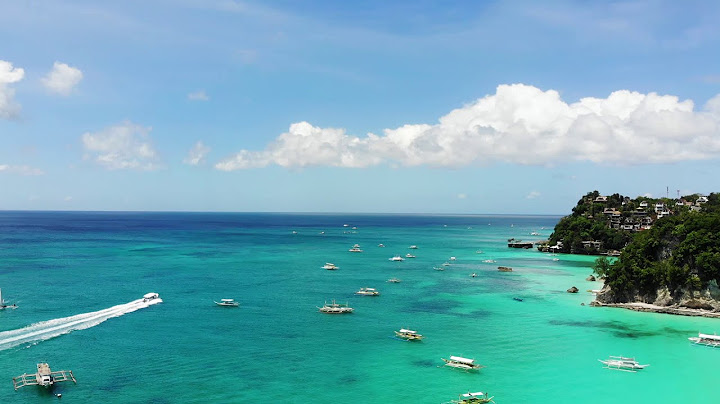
572, 290
504, 269
590, 278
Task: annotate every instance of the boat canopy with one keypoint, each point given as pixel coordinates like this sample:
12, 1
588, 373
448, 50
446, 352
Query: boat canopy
227, 300
476, 394
709, 336
409, 331
462, 360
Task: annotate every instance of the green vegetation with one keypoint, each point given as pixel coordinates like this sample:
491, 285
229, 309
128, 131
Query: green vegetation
679, 249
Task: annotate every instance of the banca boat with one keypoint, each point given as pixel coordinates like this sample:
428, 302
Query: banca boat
477, 397
397, 258
462, 363
330, 266
228, 303
368, 292
44, 377
408, 335
710, 340
622, 363
335, 308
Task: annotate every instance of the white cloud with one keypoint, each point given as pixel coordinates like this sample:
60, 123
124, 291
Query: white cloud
462, 196
124, 146
518, 124
196, 155
8, 75
68, 198
62, 78
198, 96
533, 195
22, 170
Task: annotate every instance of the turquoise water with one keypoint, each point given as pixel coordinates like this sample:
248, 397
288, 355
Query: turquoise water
277, 347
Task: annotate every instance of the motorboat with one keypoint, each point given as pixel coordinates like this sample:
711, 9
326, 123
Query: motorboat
517, 299
228, 303
413, 247
394, 280
381, 245
368, 292
439, 268
622, 363
4, 304
330, 266
446, 264
408, 335
355, 248
44, 377
459, 362
150, 296
452, 258
473, 275
408, 255
335, 308
477, 397
711, 340
397, 258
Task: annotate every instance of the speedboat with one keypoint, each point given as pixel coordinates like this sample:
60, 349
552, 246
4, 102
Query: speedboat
355, 248
397, 258
408, 335
452, 258
335, 308
413, 247
381, 245
330, 266
622, 363
228, 303
459, 362
408, 255
3, 303
150, 296
368, 292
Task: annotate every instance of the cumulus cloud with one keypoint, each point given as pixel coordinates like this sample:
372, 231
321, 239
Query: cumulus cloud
8, 75
124, 146
197, 154
533, 195
21, 170
518, 124
62, 78
198, 96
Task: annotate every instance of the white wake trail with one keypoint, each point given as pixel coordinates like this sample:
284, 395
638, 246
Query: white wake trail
52, 328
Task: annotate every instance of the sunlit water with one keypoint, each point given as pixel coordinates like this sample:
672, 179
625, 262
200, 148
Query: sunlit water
71, 275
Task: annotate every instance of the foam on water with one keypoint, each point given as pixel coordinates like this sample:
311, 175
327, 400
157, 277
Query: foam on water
45, 330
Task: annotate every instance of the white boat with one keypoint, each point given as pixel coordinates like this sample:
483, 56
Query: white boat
489, 261
228, 303
355, 248
408, 255
462, 363
622, 363
477, 397
473, 275
397, 258
150, 296
44, 377
408, 335
413, 247
330, 266
381, 245
394, 280
3, 303
439, 268
335, 308
452, 258
368, 292
710, 340
446, 264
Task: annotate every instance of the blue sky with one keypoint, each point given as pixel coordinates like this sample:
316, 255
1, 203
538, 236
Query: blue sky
334, 106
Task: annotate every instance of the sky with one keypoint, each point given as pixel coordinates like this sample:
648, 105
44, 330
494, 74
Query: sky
452, 107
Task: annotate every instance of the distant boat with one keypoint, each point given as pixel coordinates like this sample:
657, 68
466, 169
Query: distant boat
381, 245
397, 258
44, 377
413, 247
710, 340
473, 398
459, 362
408, 255
622, 363
150, 296
335, 308
355, 248
368, 292
408, 335
518, 299
452, 258
228, 303
394, 280
3, 303
473, 275
330, 266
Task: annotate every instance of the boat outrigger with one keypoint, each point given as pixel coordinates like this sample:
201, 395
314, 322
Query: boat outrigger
228, 303
44, 377
477, 397
459, 362
711, 340
408, 335
3, 303
622, 363
368, 292
335, 308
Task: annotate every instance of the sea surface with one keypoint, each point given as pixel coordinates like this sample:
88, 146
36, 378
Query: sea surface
77, 277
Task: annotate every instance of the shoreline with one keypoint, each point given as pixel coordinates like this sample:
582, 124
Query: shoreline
652, 308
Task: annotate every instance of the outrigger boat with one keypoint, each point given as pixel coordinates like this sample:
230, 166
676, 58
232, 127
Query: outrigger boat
408, 335
368, 292
4, 305
711, 340
473, 398
397, 258
44, 377
622, 363
394, 280
330, 266
462, 363
228, 303
355, 248
335, 308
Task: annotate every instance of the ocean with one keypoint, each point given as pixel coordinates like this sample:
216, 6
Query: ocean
76, 278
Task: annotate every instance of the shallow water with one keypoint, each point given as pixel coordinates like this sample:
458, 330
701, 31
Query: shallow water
277, 346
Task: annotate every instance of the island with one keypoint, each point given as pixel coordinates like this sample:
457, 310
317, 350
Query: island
660, 255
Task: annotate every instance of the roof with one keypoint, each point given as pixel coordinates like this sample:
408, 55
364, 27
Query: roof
462, 360
476, 394
406, 330
710, 336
